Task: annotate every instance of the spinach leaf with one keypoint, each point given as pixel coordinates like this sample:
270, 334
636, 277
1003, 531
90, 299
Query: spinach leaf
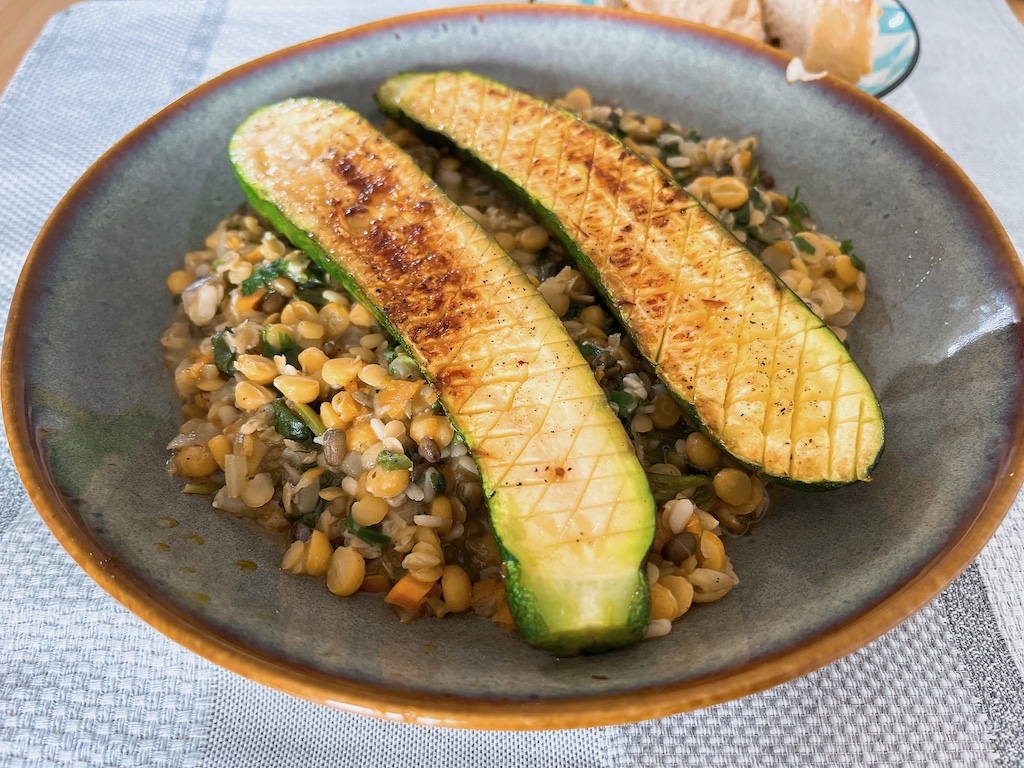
277, 342
366, 533
437, 481
588, 349
263, 276
288, 425
223, 355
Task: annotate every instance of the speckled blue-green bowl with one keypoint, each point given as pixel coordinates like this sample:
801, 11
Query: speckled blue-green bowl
89, 407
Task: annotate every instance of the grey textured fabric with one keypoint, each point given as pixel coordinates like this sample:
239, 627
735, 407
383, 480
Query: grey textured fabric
84, 682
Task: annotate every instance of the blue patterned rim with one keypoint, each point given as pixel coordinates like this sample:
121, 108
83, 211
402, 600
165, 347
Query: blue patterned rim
896, 50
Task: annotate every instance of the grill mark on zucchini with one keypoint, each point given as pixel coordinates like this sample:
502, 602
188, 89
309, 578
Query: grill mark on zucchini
681, 250
569, 502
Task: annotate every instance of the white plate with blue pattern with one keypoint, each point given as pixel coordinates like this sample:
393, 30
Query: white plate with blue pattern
896, 47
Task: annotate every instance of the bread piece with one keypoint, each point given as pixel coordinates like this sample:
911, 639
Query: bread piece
740, 16
833, 35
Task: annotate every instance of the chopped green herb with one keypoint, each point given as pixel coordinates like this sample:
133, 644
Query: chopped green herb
223, 355
796, 211
693, 136
288, 425
263, 276
802, 245
390, 460
847, 247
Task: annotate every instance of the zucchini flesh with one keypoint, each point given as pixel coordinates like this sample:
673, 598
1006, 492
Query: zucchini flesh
749, 362
568, 500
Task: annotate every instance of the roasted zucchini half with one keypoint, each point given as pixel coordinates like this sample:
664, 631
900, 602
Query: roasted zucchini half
749, 362
569, 503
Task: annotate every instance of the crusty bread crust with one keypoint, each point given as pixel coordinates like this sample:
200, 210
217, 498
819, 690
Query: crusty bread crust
740, 16
833, 35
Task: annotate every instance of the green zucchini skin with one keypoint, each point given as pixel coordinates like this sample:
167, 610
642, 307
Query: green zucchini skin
359, 207
405, 98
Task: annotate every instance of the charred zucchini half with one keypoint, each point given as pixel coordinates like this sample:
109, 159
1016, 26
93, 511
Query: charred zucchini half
568, 501
749, 362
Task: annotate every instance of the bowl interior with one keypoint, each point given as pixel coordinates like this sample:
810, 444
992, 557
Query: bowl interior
939, 339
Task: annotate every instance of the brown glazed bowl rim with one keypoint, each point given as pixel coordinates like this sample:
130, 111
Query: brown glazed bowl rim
454, 711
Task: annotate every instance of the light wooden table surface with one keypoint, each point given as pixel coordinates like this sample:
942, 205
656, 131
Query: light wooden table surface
22, 20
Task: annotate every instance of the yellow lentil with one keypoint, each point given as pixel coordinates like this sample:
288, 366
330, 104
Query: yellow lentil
318, 554
732, 485
682, 591
701, 452
258, 491
663, 603
437, 428
456, 588
301, 389
346, 571
711, 552
334, 316
533, 238
249, 396
297, 311
339, 371
666, 413
178, 281
369, 510
256, 368
361, 316
196, 461
728, 192
387, 483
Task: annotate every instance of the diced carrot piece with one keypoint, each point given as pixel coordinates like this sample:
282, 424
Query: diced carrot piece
246, 304
393, 398
409, 592
375, 582
504, 617
347, 407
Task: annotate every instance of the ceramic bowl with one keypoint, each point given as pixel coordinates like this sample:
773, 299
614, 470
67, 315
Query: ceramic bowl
89, 407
